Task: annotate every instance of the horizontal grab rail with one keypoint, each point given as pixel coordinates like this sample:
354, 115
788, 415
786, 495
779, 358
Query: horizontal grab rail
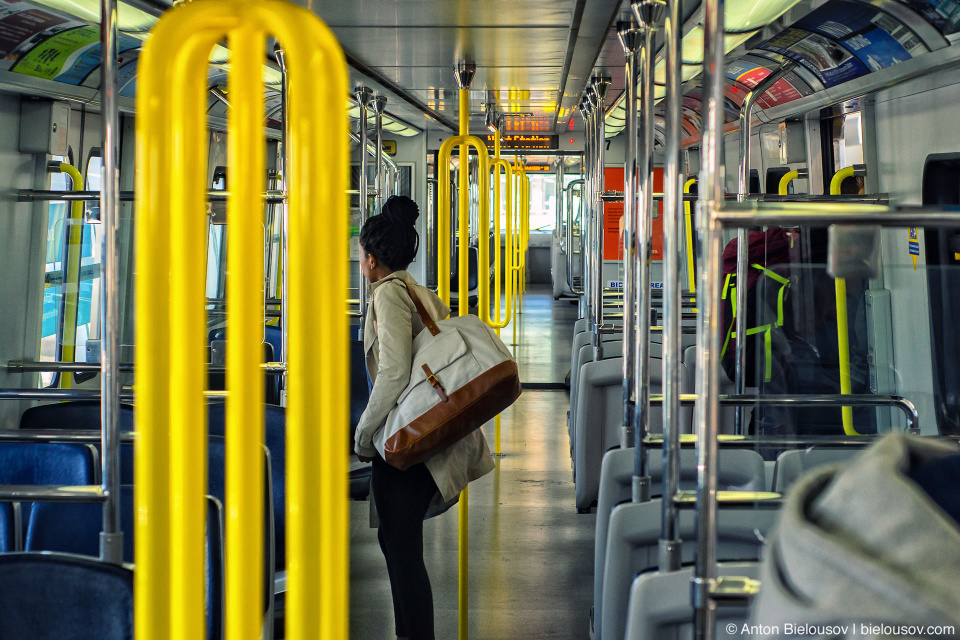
78, 394
52, 493
823, 214
19, 366
811, 400
45, 195
76, 436
769, 499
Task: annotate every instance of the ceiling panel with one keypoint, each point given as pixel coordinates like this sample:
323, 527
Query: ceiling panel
373, 13
538, 81
438, 47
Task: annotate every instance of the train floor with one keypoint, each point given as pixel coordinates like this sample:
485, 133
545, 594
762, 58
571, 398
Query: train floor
531, 554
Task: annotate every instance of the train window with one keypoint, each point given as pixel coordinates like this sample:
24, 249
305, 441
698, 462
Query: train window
50, 334
88, 302
941, 186
216, 243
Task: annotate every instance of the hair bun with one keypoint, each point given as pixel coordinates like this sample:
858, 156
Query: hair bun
400, 211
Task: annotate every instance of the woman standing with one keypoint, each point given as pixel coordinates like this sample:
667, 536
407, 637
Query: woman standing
388, 244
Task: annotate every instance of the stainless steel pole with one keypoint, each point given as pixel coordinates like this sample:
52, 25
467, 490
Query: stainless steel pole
558, 222
648, 13
362, 95
672, 257
111, 539
601, 84
708, 326
379, 104
285, 229
630, 38
586, 229
743, 249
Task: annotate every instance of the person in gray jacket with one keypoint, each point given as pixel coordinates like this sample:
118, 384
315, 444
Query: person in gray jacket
868, 551
388, 244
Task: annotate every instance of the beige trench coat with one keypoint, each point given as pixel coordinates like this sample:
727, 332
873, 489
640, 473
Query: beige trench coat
390, 327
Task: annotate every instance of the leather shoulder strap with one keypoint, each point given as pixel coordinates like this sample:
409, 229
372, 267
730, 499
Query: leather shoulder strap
421, 310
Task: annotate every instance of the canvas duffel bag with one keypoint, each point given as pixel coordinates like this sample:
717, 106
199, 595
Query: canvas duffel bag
461, 376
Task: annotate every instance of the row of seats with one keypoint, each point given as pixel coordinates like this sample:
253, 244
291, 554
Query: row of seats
75, 528
632, 599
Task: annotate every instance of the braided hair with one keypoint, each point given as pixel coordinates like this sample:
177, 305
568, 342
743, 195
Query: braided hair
392, 237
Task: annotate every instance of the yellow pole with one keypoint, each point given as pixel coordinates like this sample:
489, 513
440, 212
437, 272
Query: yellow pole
71, 273
463, 581
787, 178
499, 322
171, 439
689, 221
843, 333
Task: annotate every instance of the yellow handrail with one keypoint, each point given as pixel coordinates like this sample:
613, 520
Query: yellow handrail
464, 140
71, 273
843, 334
688, 218
785, 181
499, 321
171, 443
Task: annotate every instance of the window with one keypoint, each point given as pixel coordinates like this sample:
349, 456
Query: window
50, 333
88, 299
216, 242
543, 200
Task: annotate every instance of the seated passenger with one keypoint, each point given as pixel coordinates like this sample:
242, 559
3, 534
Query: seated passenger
388, 244
867, 551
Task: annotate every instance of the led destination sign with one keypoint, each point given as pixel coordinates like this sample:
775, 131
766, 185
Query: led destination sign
526, 141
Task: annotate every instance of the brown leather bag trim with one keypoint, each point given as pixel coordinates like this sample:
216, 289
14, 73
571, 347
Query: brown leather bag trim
469, 408
435, 383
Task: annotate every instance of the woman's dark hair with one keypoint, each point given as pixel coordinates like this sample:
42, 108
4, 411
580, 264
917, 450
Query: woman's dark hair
392, 237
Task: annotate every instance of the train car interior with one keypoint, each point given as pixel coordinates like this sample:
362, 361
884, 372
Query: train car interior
719, 240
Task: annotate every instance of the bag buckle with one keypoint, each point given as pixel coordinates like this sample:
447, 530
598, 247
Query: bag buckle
435, 383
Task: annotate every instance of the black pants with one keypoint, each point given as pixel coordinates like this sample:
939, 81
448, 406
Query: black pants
402, 498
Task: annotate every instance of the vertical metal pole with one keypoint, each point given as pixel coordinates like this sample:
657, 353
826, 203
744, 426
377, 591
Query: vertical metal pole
648, 13
558, 225
708, 325
379, 104
285, 229
111, 539
600, 91
743, 248
672, 255
630, 38
362, 95
586, 218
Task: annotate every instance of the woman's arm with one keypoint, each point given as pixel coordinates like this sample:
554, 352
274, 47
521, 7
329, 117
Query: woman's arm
394, 332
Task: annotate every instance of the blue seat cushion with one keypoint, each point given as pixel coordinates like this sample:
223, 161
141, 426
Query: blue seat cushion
64, 597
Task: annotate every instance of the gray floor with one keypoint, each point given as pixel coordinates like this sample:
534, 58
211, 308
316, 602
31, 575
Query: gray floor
544, 334
531, 555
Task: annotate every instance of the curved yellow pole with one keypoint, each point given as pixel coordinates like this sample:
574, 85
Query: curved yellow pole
785, 181
71, 274
464, 140
499, 322
688, 218
171, 443
843, 332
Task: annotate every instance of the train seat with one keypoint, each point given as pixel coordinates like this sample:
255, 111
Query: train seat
9, 526
76, 414
216, 486
633, 548
41, 463
75, 529
598, 420
792, 464
271, 352
612, 348
93, 600
660, 605
737, 470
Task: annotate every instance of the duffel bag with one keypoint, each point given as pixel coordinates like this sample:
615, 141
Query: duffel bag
461, 376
